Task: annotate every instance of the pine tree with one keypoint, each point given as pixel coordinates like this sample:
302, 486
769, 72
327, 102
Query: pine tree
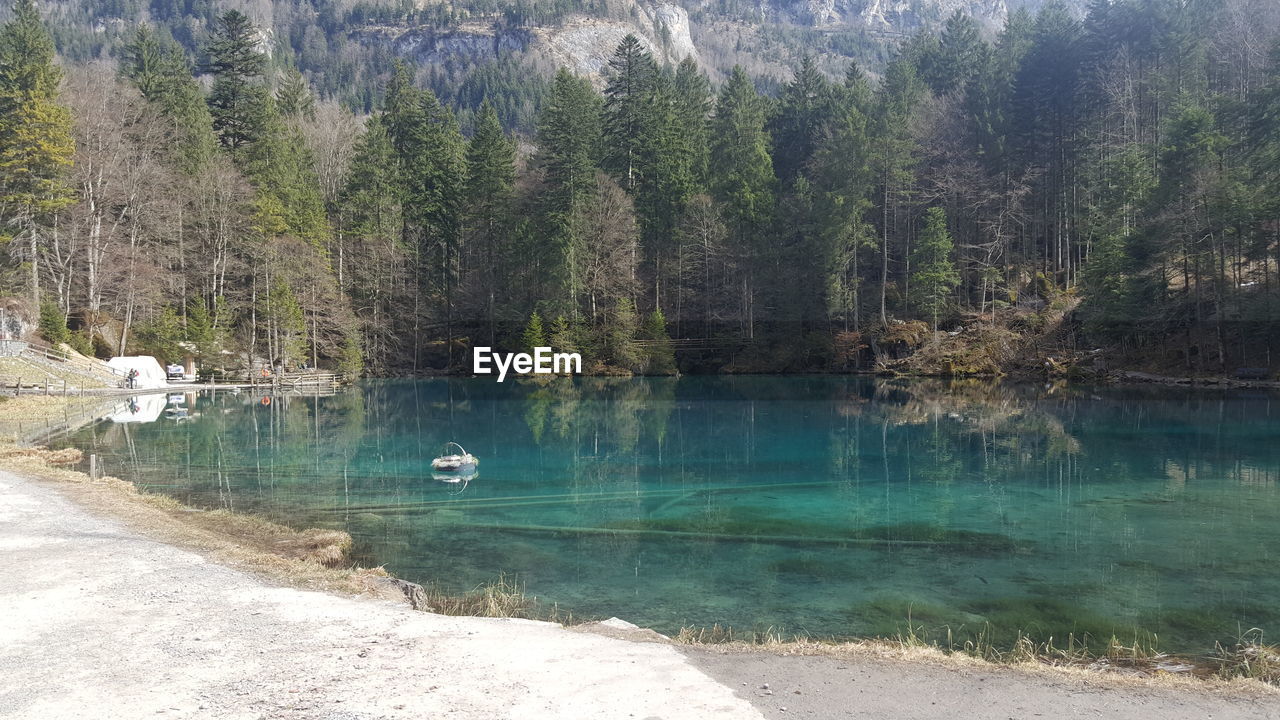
27, 67
894, 156
159, 69
666, 171
280, 166
620, 337
989, 98
488, 204
534, 336
959, 54
627, 105
147, 63
431, 171
742, 178
561, 336
294, 98
660, 358
202, 332
842, 183
35, 135
53, 324
371, 193
804, 110
933, 275
286, 328
239, 101
568, 152
1045, 116
692, 102
371, 199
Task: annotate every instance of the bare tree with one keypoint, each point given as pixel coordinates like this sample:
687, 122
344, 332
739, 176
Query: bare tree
610, 243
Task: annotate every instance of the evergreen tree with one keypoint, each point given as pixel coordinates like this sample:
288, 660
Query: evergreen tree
202, 332
294, 98
488, 204
534, 336
1043, 105
372, 214
285, 323
989, 97
742, 178
53, 324
894, 157
659, 356
239, 101
147, 62
666, 164
561, 336
692, 107
959, 55
35, 136
805, 109
842, 184
283, 171
628, 103
431, 171
933, 275
568, 152
620, 337
159, 69
371, 193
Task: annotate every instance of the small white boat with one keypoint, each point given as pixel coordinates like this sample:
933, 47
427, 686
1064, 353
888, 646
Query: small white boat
461, 462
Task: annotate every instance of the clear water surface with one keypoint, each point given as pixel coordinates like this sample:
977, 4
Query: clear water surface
826, 505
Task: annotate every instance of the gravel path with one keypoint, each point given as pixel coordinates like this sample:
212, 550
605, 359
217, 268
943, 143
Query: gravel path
808, 687
98, 621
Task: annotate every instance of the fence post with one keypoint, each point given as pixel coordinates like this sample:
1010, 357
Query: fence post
93, 467
17, 389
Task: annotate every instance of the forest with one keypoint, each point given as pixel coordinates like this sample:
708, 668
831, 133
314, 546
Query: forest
1110, 181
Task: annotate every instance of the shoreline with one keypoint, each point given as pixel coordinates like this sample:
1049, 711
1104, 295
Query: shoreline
161, 519
259, 545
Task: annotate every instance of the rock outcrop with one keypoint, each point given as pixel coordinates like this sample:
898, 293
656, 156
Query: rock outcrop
584, 44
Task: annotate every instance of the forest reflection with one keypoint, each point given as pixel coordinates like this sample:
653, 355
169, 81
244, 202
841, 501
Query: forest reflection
832, 503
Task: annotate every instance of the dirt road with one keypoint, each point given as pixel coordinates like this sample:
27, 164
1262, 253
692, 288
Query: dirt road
99, 621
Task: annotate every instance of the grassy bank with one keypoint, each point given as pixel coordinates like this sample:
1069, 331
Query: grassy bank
311, 558
1247, 659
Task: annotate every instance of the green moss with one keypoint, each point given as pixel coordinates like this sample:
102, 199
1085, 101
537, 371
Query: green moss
1042, 618
898, 615
805, 567
1192, 625
750, 523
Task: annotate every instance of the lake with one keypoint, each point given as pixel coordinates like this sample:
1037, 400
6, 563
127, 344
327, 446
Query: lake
832, 506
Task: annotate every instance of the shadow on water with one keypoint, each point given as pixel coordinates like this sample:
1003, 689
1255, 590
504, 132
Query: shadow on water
828, 505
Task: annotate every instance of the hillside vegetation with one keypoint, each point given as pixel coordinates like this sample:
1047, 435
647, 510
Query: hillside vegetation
1054, 187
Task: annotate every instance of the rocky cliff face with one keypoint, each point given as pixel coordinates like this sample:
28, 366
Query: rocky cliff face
473, 43
580, 42
900, 16
584, 42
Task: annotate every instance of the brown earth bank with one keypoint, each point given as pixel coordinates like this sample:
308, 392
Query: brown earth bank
119, 605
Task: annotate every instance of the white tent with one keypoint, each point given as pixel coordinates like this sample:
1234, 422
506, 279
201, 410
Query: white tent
150, 374
141, 409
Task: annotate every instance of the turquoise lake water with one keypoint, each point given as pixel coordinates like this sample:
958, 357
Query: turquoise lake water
825, 505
